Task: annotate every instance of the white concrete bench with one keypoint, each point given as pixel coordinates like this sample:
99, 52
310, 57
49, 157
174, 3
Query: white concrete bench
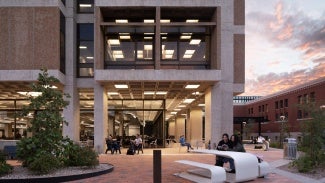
216, 174
246, 164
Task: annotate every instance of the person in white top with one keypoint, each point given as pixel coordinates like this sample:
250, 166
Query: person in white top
138, 143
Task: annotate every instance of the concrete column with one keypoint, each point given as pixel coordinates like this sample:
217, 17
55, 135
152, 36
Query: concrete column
180, 127
218, 111
195, 121
72, 112
172, 128
100, 118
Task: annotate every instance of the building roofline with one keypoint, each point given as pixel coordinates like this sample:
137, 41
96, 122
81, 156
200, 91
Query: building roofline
290, 90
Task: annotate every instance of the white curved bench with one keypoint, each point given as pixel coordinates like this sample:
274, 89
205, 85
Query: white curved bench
217, 174
246, 164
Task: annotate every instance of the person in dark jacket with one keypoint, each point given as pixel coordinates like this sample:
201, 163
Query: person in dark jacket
236, 146
223, 145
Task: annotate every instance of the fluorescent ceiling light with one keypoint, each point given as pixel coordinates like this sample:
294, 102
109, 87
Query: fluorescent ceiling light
147, 47
149, 21
164, 21
195, 41
169, 52
148, 93
182, 106
201, 105
189, 100
125, 37
85, 5
114, 42
82, 47
121, 86
168, 56
187, 56
119, 56
186, 37
191, 86
148, 33
33, 94
161, 93
177, 109
112, 93
196, 93
147, 37
164, 37
192, 21
173, 113
163, 33
90, 57
189, 52
121, 21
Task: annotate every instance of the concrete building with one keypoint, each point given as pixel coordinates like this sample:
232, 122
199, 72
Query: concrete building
130, 66
268, 114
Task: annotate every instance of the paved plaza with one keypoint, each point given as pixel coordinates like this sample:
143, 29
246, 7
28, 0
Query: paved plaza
139, 168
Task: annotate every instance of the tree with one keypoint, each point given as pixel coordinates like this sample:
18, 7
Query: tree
46, 123
313, 137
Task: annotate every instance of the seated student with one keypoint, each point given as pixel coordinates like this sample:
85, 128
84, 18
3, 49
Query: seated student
223, 145
236, 146
184, 143
116, 145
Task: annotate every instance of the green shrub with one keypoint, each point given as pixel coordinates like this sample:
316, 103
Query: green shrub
304, 164
81, 156
275, 145
44, 163
4, 167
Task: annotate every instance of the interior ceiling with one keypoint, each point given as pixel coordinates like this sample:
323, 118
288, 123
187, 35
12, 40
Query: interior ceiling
176, 93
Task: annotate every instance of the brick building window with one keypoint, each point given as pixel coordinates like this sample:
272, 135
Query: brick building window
285, 102
281, 104
312, 97
276, 105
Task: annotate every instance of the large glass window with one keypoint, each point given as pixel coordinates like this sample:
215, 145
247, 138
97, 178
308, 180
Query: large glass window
86, 50
125, 44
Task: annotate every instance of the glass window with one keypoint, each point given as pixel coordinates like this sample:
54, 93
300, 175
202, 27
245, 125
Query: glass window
86, 50
85, 6
130, 44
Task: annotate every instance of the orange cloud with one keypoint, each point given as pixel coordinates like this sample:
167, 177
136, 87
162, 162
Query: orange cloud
286, 33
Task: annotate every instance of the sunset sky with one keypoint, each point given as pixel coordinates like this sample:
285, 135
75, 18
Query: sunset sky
285, 44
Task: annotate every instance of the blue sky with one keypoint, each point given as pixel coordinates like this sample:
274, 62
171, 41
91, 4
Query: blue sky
285, 44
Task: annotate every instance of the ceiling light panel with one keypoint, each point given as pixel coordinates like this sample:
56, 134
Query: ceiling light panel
195, 41
121, 86
121, 21
191, 86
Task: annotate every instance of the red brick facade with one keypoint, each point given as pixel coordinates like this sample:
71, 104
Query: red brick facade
284, 103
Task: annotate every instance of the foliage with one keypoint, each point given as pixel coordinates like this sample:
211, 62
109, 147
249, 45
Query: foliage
284, 132
313, 135
45, 125
275, 145
44, 163
82, 156
4, 167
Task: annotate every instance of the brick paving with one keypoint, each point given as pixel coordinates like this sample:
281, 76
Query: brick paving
139, 168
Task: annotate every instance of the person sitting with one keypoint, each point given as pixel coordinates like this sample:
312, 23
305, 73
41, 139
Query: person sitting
116, 145
109, 140
223, 145
236, 146
184, 143
138, 143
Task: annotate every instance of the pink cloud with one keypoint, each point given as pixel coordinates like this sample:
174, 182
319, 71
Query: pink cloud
274, 63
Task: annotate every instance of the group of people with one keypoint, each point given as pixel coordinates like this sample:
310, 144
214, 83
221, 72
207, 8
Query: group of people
113, 144
226, 144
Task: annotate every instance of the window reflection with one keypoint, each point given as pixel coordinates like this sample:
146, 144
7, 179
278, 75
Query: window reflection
86, 50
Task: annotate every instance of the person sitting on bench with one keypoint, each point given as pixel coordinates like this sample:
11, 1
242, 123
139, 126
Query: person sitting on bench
184, 143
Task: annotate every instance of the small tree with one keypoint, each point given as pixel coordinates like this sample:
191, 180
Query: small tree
47, 140
313, 136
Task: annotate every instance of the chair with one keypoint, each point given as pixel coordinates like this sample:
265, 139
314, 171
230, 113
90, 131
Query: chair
154, 143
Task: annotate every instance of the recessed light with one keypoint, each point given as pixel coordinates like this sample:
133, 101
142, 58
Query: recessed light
121, 21
195, 41
148, 93
149, 21
201, 105
82, 47
192, 21
187, 56
189, 52
192, 86
125, 37
112, 93
121, 86
189, 100
114, 42
164, 21
173, 113
182, 106
186, 37
85, 5
161, 93
90, 57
